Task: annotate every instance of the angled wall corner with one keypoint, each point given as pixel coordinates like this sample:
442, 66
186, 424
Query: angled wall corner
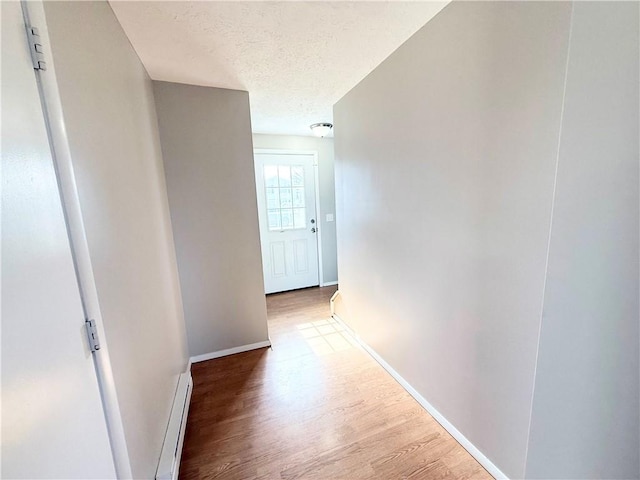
585, 419
488, 241
207, 148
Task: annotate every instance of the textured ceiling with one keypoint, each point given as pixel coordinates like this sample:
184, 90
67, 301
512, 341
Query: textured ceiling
296, 59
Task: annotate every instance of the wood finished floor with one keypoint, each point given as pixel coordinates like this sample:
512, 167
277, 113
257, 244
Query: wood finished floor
315, 406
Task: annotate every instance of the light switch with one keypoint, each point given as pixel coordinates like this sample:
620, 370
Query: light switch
329, 217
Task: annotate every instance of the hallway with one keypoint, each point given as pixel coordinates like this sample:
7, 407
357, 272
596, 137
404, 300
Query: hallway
314, 406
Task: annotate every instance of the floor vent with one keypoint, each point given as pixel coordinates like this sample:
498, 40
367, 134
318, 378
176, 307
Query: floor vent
172, 448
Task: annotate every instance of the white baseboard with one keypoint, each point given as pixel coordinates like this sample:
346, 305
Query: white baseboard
448, 426
328, 284
169, 463
228, 351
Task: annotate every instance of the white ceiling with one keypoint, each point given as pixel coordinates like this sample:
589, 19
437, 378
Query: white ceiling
296, 59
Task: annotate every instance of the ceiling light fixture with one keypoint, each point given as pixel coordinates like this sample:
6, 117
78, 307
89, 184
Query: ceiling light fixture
321, 129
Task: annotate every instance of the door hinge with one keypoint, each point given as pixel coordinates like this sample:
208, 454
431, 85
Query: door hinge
36, 48
92, 335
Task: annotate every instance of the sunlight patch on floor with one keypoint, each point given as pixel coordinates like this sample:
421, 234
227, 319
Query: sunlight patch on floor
326, 336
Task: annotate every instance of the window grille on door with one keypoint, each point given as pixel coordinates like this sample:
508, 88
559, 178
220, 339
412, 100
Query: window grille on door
284, 189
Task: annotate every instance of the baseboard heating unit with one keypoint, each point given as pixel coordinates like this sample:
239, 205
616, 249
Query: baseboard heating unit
169, 463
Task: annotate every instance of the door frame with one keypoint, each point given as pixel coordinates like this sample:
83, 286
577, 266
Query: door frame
279, 151
33, 14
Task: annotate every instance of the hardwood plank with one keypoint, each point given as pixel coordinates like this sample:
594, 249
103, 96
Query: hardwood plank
313, 406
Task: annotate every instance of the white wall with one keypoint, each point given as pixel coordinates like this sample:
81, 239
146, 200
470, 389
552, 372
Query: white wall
475, 267
326, 181
208, 157
109, 112
51, 421
445, 158
585, 420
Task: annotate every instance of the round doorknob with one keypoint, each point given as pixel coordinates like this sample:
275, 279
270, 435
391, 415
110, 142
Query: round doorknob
313, 230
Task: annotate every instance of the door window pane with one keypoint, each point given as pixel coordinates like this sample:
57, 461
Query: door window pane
285, 195
273, 217
284, 175
271, 176
297, 176
273, 198
287, 218
285, 198
298, 197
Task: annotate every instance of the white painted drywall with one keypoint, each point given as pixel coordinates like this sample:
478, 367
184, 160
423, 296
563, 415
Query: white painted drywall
208, 157
326, 181
52, 426
109, 112
445, 164
585, 414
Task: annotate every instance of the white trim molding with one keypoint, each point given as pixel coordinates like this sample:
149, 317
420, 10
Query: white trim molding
448, 426
228, 351
328, 284
319, 226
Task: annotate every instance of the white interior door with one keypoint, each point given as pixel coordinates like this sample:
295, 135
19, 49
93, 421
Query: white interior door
53, 423
286, 190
